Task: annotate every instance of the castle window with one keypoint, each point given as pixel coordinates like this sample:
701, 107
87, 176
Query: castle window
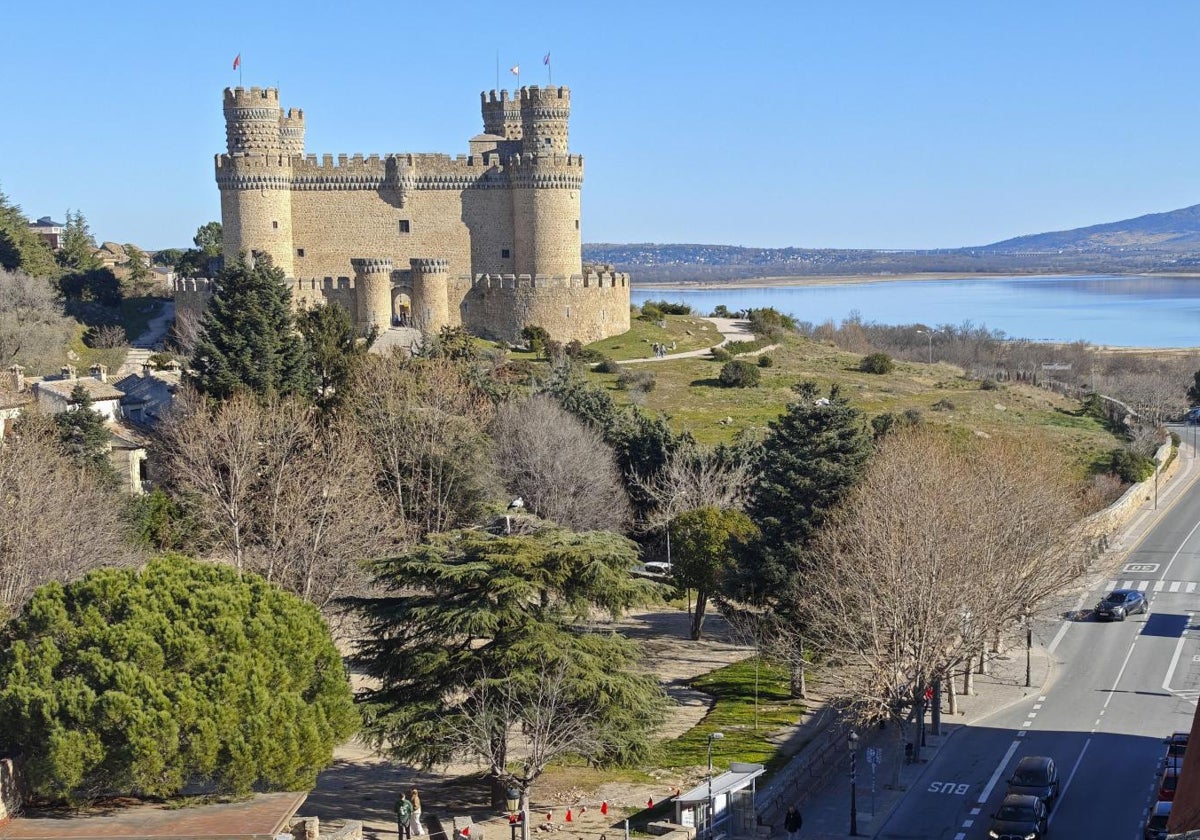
548, 141
568, 312
275, 224
576, 224
299, 252
405, 227
505, 253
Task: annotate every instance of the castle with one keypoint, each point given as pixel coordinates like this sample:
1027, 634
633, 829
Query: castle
489, 240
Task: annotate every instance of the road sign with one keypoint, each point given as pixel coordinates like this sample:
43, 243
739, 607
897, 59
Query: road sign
873, 756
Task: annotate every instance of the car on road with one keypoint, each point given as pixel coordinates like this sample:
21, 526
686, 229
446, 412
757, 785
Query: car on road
1037, 776
1019, 818
1167, 783
1193, 416
1156, 823
657, 567
1120, 603
1176, 747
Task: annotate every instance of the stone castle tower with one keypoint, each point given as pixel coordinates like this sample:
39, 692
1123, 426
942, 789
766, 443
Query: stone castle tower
489, 240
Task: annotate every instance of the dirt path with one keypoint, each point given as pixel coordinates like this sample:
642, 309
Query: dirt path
363, 785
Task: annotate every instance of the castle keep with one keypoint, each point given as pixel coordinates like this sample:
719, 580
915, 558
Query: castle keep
489, 240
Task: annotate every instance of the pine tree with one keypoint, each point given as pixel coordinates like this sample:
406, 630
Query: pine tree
77, 251
334, 350
85, 438
248, 336
20, 248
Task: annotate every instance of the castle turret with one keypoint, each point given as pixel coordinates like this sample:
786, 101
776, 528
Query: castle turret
430, 293
373, 292
544, 116
291, 132
255, 176
501, 115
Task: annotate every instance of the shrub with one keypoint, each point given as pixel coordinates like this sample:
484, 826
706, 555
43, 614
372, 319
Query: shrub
765, 361
770, 322
913, 417
720, 354
642, 380
1131, 466
989, 385
142, 681
739, 374
877, 363
650, 313
666, 308
575, 350
943, 404
536, 338
607, 365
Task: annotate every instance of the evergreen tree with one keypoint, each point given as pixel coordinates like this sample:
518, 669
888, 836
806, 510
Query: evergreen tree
20, 248
144, 681
1193, 393
248, 336
334, 348
209, 238
813, 455
707, 541
77, 250
139, 273
85, 438
478, 627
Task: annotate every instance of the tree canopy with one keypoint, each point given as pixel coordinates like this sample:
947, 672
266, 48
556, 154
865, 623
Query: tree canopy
144, 681
20, 248
707, 541
249, 340
85, 438
474, 630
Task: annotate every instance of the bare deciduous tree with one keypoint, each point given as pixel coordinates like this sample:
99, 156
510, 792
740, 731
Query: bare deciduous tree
560, 467
423, 420
934, 555
692, 478
33, 329
185, 332
56, 523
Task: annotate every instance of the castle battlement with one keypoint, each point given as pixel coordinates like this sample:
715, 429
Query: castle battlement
255, 97
591, 280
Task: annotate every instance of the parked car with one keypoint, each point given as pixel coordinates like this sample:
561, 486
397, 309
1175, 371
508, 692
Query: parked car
1193, 416
1121, 603
1176, 747
1167, 783
1019, 818
1037, 776
1156, 823
657, 567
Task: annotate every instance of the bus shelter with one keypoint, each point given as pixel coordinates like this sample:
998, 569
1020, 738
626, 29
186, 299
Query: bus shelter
725, 809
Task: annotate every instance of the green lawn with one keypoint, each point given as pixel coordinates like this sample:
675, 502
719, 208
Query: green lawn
687, 331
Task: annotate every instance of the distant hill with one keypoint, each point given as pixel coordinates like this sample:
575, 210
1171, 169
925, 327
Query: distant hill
1177, 230
1159, 242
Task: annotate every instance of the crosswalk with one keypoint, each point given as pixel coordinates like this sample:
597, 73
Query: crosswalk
1185, 586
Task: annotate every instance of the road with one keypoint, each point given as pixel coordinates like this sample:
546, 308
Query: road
1119, 689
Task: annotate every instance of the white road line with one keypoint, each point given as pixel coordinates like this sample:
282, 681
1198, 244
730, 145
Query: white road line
1143, 586
1128, 584
1112, 691
1175, 659
1159, 584
1112, 584
1175, 556
1042, 699
1191, 587
987, 791
1175, 586
1063, 793
1062, 630
975, 812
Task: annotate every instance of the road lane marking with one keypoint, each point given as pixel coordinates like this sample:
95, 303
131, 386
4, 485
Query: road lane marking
1143, 586
1159, 584
1175, 556
1191, 587
1112, 584
987, 791
1063, 793
1117, 681
1175, 586
1062, 630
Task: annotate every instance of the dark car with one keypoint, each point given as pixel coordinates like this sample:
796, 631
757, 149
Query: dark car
1037, 776
1167, 783
1121, 603
1156, 824
1019, 818
1176, 747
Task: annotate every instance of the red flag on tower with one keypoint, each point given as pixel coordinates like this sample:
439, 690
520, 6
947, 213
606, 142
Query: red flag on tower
237, 61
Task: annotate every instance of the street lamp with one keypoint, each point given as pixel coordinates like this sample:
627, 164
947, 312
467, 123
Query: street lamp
708, 822
852, 743
929, 335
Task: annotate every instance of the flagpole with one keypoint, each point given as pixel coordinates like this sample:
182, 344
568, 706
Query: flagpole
549, 71
240, 69
497, 72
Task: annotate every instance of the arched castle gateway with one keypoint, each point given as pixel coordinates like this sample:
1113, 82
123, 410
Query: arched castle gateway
489, 240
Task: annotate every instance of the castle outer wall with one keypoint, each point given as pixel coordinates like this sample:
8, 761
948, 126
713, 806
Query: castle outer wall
490, 241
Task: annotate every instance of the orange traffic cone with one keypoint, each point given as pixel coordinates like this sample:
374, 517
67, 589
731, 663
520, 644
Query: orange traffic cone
568, 815
604, 807
466, 832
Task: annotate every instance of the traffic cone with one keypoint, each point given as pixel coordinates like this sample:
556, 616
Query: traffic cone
604, 807
568, 815
466, 832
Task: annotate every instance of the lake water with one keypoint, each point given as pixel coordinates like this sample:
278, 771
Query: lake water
1100, 309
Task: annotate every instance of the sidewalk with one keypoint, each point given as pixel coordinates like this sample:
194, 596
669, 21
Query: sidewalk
731, 329
827, 812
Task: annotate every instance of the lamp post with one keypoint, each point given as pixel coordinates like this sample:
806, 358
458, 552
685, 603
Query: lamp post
512, 798
929, 334
852, 743
1028, 651
708, 819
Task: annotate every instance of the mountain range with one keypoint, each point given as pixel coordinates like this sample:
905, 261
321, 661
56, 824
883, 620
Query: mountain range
1157, 242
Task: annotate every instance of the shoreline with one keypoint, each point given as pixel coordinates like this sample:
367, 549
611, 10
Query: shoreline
855, 279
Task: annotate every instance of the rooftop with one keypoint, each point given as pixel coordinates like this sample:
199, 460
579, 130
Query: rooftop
96, 389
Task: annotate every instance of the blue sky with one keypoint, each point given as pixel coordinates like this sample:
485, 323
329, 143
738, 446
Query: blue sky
868, 124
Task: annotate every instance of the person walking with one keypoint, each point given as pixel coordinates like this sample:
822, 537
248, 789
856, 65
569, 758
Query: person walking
792, 821
415, 822
404, 811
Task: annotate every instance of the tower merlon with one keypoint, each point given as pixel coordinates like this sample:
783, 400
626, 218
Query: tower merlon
254, 97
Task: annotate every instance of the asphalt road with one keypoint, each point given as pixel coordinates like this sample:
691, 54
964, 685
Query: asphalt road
1119, 689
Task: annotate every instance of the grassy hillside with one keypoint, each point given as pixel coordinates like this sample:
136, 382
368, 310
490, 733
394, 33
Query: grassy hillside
688, 392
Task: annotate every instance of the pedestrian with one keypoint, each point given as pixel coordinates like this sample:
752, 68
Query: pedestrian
792, 822
404, 810
415, 822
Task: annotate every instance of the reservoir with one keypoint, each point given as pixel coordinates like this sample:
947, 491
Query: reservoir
1114, 310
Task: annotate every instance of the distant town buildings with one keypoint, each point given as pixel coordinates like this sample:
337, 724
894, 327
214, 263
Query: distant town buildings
51, 232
